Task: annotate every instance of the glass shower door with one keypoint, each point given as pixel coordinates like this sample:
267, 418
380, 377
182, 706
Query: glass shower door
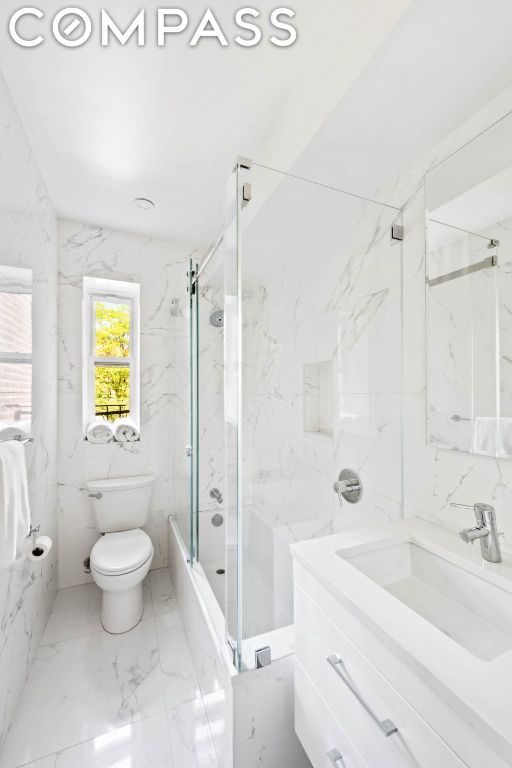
214, 360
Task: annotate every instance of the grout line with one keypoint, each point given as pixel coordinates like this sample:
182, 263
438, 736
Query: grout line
99, 631
164, 711
143, 719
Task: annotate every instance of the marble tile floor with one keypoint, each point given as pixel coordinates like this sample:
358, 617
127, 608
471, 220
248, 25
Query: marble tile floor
94, 700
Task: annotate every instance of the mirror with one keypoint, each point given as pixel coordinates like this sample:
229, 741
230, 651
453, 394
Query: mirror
469, 296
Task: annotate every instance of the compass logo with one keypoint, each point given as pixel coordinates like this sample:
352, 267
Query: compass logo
73, 27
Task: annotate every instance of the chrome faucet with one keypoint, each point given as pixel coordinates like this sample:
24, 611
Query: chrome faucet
485, 531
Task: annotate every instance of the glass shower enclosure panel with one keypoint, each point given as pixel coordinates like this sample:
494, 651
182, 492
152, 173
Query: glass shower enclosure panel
321, 342
207, 524
296, 361
214, 335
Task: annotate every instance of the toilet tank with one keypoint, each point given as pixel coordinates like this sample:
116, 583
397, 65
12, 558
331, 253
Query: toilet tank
121, 503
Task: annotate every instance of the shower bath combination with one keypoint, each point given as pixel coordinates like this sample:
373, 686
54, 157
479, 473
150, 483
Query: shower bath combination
262, 390
271, 400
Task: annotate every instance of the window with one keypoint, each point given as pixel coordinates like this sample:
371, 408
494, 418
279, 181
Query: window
16, 346
111, 342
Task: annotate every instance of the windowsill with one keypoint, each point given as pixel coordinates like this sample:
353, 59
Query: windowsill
114, 441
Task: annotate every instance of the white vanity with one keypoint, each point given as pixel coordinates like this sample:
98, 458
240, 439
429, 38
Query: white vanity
403, 650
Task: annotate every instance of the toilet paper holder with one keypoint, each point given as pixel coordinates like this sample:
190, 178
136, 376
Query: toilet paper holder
40, 546
33, 532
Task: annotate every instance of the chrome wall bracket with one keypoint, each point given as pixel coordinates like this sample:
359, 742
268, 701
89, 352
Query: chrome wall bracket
246, 193
397, 232
336, 758
263, 657
243, 162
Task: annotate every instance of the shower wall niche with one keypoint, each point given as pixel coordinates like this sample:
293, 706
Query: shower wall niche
317, 393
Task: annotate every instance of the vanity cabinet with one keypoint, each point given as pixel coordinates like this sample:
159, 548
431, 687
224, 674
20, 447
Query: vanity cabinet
349, 714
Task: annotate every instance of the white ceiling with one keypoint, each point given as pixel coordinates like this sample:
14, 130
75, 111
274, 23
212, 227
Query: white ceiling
111, 124
108, 125
442, 62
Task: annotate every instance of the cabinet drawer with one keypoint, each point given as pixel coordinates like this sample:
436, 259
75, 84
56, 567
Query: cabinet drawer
364, 703
322, 737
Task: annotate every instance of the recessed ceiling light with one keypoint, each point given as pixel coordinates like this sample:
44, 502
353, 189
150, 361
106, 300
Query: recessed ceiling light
144, 203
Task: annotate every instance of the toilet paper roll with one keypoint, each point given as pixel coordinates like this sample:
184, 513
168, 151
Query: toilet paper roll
41, 548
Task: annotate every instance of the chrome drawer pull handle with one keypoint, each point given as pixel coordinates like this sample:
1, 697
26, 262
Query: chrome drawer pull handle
387, 727
336, 758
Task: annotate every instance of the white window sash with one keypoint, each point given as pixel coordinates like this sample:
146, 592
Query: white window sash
131, 362
16, 357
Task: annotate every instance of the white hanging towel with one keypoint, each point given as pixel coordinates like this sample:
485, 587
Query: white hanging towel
485, 435
493, 436
14, 503
505, 437
126, 431
100, 431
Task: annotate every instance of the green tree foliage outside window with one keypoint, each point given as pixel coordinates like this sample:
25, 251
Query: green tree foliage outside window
112, 339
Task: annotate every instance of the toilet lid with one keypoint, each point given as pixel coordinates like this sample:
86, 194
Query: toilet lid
117, 553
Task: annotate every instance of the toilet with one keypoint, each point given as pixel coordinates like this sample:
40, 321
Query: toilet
122, 557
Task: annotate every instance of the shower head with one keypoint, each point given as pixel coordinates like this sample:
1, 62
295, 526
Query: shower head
217, 318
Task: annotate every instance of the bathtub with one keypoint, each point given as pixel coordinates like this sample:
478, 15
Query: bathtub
251, 713
268, 568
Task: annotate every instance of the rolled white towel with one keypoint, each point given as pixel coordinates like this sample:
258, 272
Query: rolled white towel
100, 431
126, 431
15, 430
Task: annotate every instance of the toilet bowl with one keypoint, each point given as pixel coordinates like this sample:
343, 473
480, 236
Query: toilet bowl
122, 557
119, 564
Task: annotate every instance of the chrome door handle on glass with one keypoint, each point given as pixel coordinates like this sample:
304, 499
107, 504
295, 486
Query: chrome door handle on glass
336, 758
348, 486
387, 727
486, 531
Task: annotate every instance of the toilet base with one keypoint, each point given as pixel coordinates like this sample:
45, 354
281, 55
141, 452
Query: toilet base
122, 611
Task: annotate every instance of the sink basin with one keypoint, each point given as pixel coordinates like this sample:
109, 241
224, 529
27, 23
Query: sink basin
474, 612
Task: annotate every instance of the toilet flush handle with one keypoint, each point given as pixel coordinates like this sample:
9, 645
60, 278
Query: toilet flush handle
98, 495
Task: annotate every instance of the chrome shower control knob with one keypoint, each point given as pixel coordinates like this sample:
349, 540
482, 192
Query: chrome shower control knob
348, 486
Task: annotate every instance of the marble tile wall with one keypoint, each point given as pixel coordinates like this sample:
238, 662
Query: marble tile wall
160, 268
212, 456
327, 292
28, 239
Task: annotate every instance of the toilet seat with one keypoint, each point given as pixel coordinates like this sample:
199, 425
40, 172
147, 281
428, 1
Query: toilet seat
120, 553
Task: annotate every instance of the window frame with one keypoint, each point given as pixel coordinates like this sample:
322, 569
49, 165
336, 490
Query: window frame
115, 291
19, 280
